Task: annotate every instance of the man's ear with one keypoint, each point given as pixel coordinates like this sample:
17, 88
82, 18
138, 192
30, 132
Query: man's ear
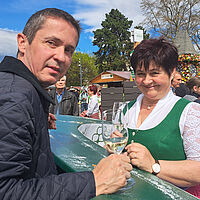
22, 42
173, 74
195, 88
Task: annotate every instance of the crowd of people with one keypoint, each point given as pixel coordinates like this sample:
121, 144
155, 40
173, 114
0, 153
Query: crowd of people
83, 103
164, 128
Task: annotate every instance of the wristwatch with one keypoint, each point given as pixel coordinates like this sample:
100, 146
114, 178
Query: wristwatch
156, 167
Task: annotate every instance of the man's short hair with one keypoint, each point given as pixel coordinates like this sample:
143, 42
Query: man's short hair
37, 20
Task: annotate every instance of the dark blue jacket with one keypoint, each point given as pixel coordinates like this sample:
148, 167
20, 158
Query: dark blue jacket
27, 169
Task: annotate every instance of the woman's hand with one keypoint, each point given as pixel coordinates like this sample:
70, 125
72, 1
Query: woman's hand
116, 133
140, 156
83, 114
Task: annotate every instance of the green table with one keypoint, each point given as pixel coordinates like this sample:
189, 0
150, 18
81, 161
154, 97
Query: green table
74, 152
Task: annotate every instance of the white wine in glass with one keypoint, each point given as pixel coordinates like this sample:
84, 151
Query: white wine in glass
115, 132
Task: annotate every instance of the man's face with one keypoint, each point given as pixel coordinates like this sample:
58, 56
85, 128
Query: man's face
176, 80
49, 55
60, 84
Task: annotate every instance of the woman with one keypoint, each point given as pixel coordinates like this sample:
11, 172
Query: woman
93, 105
164, 135
194, 86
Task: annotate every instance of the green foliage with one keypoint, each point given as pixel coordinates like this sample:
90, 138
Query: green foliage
113, 40
89, 69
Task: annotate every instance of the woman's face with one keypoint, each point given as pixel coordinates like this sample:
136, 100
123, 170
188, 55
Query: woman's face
154, 83
90, 93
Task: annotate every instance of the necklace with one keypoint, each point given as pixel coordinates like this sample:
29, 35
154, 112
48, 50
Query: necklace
148, 107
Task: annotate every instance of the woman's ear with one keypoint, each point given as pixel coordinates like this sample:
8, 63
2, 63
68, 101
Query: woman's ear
22, 42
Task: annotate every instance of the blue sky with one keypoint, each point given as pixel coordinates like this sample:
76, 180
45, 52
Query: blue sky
15, 13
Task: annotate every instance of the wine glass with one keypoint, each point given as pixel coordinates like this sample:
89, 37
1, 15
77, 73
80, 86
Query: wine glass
115, 132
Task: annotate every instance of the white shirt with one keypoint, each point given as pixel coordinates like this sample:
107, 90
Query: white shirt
189, 122
93, 106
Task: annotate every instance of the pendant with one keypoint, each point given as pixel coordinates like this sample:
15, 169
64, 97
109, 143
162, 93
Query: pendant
148, 107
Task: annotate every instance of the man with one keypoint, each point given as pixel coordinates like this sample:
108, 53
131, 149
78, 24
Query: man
177, 79
84, 100
65, 102
27, 169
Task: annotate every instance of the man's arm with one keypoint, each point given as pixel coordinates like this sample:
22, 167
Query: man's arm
18, 176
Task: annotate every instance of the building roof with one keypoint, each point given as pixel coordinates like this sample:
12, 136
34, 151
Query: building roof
123, 74
183, 43
111, 76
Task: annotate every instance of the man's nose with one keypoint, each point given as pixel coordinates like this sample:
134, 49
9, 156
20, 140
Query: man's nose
60, 54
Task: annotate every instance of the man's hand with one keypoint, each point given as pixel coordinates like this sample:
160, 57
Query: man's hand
52, 121
112, 173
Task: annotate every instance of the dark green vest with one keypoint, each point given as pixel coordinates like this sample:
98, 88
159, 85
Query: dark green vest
163, 141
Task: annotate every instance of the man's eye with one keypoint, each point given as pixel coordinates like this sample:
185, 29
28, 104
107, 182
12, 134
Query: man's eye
69, 50
52, 43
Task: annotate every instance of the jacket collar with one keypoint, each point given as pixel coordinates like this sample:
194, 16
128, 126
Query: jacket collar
16, 66
196, 95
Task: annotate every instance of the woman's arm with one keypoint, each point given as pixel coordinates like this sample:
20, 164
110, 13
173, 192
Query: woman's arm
183, 173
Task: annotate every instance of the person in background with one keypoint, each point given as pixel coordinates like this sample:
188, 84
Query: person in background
99, 97
164, 129
65, 102
194, 86
182, 90
93, 106
77, 93
176, 81
83, 97
28, 171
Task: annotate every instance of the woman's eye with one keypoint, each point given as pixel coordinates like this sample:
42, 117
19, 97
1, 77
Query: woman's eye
154, 73
140, 74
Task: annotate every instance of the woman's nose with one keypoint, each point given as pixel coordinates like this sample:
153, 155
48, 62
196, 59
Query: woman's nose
147, 79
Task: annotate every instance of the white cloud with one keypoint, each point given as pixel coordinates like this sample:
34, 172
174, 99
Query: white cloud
92, 12
8, 42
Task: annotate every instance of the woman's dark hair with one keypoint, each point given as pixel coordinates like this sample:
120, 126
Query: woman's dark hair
160, 51
93, 88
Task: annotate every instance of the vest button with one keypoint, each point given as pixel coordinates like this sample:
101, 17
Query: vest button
133, 133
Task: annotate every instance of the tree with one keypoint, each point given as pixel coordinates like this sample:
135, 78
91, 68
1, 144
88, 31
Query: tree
113, 40
89, 69
166, 17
